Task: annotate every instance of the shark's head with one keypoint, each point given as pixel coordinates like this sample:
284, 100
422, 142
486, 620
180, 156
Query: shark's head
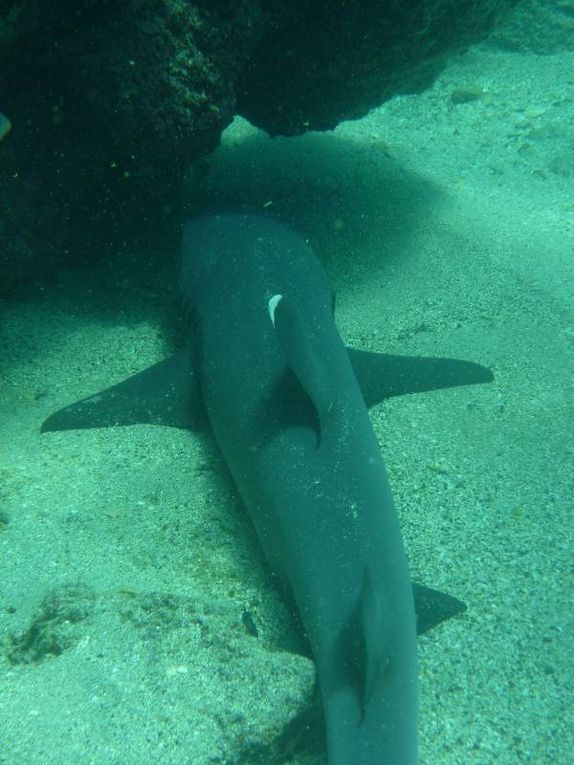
245, 248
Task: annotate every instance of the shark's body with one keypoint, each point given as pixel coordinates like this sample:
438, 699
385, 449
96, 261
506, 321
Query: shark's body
282, 396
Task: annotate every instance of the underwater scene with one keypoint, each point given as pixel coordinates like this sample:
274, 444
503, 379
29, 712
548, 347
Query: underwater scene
286, 391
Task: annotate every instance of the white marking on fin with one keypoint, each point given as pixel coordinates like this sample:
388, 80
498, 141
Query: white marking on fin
272, 305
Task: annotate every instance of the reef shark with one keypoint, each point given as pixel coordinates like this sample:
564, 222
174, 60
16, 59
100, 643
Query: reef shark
287, 402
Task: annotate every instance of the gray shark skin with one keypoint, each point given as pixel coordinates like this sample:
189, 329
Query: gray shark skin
267, 367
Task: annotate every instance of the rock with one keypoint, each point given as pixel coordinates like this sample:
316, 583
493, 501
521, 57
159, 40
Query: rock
110, 101
336, 61
538, 26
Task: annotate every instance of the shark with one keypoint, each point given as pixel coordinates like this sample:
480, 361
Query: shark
266, 368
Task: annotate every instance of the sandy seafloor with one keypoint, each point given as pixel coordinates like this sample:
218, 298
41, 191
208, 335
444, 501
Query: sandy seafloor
130, 580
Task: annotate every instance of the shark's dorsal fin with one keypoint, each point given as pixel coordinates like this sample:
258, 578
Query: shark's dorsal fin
375, 653
381, 375
301, 358
166, 393
373, 657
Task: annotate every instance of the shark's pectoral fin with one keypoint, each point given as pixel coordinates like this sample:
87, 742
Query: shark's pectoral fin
166, 393
381, 375
301, 359
433, 607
